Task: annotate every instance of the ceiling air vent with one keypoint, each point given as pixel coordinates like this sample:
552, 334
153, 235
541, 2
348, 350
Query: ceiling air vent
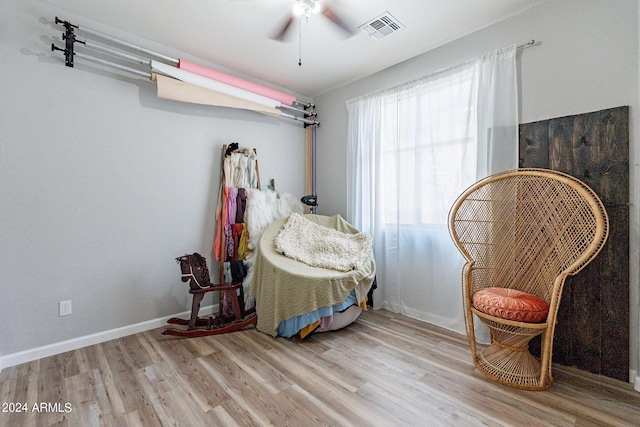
382, 26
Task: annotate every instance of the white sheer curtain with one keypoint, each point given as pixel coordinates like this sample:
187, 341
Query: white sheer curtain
411, 151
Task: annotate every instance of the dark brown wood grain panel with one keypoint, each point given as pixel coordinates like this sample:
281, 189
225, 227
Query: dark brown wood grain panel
615, 296
586, 318
593, 320
561, 153
586, 149
614, 155
582, 328
534, 145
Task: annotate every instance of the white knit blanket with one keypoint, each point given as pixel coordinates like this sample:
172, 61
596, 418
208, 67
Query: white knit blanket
320, 246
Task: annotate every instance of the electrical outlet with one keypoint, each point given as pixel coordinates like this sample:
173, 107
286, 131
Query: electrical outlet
65, 307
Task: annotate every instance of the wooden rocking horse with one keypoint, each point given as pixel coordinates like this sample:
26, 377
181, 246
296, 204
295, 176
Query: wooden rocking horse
232, 315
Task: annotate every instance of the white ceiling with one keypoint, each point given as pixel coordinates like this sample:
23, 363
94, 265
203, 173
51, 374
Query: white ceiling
235, 33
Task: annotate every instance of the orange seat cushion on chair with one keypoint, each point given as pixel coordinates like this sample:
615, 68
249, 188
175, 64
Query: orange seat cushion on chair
511, 304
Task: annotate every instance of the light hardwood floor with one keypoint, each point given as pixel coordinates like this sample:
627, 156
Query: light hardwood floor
384, 370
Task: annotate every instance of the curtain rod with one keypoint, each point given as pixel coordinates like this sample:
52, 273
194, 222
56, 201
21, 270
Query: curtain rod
527, 44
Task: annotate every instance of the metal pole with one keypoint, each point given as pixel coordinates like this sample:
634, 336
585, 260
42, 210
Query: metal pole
114, 65
297, 110
300, 119
128, 45
117, 53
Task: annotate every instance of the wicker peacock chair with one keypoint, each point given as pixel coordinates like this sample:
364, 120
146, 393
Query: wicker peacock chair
522, 232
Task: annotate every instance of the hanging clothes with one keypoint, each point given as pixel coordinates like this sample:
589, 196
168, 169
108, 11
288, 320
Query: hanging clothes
241, 204
243, 244
228, 242
237, 232
232, 195
252, 171
238, 169
220, 214
228, 171
228, 278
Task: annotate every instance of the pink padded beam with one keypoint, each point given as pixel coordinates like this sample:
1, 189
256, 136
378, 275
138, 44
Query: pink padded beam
283, 97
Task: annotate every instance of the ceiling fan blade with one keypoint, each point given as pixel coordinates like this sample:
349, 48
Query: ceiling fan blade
333, 17
280, 35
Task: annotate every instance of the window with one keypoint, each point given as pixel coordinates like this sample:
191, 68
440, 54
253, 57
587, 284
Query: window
412, 150
428, 131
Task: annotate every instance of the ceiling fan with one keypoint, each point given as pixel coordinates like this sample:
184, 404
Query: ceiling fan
307, 8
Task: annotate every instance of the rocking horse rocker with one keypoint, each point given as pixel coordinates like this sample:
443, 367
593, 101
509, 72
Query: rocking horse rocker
232, 315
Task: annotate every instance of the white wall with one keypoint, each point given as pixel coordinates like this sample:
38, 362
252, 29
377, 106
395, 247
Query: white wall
102, 185
586, 60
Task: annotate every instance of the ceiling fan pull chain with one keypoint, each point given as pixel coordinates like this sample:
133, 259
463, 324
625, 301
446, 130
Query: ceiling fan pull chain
300, 44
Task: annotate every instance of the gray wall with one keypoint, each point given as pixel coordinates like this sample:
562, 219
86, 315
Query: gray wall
102, 185
586, 60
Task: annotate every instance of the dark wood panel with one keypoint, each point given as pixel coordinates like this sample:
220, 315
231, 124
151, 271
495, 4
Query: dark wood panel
614, 156
586, 143
581, 339
614, 296
534, 145
586, 316
614, 190
593, 320
561, 145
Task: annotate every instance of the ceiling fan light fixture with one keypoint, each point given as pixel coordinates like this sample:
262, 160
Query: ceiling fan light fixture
306, 8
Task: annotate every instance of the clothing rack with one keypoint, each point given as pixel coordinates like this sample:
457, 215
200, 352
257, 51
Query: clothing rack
130, 53
227, 186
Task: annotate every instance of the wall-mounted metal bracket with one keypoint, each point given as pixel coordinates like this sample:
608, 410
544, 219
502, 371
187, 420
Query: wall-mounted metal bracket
69, 38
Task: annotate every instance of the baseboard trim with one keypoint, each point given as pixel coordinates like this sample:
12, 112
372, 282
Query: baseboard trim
99, 337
